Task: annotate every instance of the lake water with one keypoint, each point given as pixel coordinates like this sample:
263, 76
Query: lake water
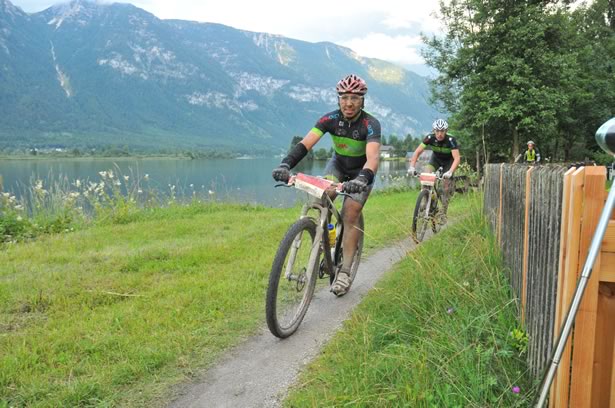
238, 180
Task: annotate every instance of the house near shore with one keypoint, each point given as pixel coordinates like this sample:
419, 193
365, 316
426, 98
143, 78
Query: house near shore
386, 152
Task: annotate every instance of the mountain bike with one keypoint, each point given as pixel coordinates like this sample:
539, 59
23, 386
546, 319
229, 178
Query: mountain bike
306, 255
426, 211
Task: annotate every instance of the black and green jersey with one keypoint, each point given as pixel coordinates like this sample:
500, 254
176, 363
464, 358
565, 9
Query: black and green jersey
442, 150
349, 138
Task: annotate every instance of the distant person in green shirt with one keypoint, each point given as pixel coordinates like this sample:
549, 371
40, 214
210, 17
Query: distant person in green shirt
531, 155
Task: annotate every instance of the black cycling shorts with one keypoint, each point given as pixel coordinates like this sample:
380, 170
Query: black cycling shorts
334, 171
436, 164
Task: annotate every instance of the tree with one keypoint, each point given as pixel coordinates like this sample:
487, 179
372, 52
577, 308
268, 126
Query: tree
321, 154
504, 69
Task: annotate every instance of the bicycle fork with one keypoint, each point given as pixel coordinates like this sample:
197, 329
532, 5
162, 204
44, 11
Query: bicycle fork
314, 252
428, 206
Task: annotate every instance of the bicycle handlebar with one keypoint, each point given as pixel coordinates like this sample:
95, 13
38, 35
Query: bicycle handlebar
438, 173
336, 185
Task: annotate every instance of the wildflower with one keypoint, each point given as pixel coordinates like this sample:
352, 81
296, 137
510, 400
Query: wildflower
450, 310
191, 185
126, 178
516, 389
117, 183
77, 183
210, 192
103, 174
139, 191
146, 177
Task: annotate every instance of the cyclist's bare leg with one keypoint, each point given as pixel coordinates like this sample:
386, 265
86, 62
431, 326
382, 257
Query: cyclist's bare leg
352, 232
447, 186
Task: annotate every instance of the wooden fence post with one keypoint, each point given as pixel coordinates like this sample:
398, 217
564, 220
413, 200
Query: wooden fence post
585, 324
603, 392
526, 240
499, 234
568, 281
563, 258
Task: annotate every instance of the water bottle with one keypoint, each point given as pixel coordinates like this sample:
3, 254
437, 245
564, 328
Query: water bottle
331, 229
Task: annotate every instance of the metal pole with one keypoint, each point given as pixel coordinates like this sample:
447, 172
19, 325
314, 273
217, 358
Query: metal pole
594, 249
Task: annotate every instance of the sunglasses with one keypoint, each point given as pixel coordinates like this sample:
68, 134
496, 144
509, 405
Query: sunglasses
351, 98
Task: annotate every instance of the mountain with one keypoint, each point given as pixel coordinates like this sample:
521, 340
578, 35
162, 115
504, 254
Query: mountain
87, 74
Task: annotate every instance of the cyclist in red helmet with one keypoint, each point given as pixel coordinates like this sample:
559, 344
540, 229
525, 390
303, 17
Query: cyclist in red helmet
356, 141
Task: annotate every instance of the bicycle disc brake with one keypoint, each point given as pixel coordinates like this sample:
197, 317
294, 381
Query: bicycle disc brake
301, 280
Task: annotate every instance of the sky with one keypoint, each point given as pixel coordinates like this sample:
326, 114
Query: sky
385, 29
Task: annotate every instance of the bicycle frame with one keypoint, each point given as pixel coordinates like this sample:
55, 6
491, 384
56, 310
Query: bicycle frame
431, 182
326, 209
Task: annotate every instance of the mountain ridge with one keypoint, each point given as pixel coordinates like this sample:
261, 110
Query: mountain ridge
87, 74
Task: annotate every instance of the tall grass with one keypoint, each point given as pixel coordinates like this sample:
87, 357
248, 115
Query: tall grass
64, 206
117, 313
439, 331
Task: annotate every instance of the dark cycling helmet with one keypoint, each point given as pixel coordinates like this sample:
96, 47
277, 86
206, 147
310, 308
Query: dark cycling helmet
352, 84
440, 124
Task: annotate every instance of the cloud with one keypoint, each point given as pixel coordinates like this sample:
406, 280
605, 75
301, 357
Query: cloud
385, 29
401, 49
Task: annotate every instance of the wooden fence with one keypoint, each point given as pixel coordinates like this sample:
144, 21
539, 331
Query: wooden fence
544, 219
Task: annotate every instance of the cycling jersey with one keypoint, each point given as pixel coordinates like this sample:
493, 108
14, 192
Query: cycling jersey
349, 138
442, 150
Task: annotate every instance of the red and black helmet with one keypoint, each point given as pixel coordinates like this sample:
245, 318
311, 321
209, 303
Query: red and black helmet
352, 84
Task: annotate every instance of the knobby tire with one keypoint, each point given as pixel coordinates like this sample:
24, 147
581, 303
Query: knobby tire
279, 285
419, 219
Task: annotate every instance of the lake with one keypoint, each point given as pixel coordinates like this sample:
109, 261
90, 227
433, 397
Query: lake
237, 180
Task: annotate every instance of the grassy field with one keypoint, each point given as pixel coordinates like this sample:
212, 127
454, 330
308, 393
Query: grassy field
116, 314
435, 333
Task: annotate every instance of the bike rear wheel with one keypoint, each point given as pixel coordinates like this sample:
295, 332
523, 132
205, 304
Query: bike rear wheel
292, 279
420, 219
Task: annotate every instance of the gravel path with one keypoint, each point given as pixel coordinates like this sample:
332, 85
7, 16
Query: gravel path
258, 372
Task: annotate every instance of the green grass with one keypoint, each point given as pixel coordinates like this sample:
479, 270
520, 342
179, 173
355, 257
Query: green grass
436, 332
116, 314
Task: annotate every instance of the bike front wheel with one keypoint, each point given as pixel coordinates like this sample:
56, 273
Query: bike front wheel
420, 219
292, 279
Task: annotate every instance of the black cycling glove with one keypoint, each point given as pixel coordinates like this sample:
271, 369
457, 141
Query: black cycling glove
281, 173
360, 183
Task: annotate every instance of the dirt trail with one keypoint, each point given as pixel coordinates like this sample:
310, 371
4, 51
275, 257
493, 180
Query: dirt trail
258, 372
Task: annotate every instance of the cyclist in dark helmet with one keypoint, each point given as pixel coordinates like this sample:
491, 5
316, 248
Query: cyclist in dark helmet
445, 154
356, 141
